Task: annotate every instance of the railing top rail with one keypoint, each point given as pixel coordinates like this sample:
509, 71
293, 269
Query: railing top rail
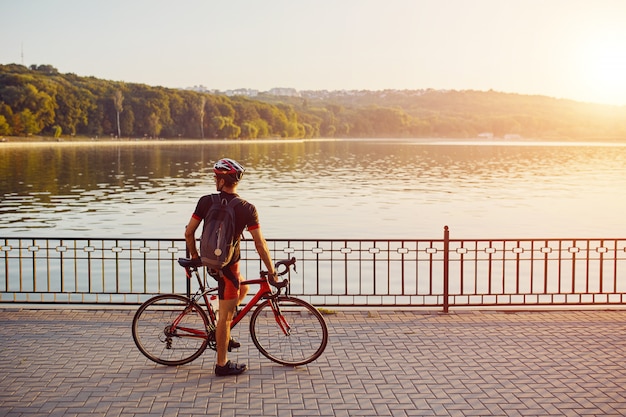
180, 239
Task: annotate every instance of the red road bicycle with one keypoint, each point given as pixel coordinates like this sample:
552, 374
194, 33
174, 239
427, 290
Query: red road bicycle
173, 329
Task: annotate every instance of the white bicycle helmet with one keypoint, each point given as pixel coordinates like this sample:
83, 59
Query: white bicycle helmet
229, 169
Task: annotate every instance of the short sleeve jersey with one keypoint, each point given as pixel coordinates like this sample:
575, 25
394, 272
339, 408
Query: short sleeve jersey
246, 216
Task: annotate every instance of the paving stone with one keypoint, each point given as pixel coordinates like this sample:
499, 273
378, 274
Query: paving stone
403, 363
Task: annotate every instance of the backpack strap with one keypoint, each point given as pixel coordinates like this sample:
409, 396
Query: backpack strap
234, 202
215, 199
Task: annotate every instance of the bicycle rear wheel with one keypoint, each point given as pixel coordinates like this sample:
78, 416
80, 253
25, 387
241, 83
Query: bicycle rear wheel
171, 329
301, 339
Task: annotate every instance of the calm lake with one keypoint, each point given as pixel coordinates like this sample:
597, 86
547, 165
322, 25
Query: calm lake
366, 189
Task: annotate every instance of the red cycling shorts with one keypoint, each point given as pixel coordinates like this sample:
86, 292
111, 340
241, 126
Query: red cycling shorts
228, 283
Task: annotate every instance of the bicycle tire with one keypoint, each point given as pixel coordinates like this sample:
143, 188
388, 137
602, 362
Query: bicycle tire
306, 340
160, 343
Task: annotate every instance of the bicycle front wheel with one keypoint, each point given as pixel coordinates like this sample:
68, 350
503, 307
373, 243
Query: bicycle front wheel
291, 332
171, 329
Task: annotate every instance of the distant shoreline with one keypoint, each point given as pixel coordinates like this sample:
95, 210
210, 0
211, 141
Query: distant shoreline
42, 140
85, 141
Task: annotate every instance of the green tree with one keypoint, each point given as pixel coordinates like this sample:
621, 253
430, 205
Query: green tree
25, 96
386, 122
231, 131
309, 130
45, 69
154, 125
7, 113
245, 110
183, 122
262, 128
73, 106
128, 121
26, 123
226, 128
249, 130
5, 129
325, 119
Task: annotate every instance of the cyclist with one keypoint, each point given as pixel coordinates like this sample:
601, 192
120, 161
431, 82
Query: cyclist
227, 174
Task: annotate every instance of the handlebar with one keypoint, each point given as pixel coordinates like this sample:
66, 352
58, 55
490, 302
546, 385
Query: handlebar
285, 264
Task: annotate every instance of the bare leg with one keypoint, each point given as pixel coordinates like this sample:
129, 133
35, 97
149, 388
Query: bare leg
222, 332
243, 291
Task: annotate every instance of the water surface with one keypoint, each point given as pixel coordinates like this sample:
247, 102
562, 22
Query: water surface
320, 189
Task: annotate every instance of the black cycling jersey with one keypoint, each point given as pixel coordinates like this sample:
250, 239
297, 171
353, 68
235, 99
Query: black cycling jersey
246, 216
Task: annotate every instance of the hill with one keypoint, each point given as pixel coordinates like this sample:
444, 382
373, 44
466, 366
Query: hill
40, 100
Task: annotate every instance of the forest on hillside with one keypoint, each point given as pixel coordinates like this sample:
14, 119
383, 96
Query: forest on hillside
38, 100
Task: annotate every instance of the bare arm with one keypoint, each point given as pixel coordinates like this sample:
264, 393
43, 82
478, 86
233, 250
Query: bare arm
190, 237
261, 247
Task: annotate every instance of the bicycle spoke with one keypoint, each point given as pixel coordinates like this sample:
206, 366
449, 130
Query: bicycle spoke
299, 338
169, 330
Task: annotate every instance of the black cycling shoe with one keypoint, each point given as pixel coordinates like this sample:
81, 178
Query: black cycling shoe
233, 344
230, 368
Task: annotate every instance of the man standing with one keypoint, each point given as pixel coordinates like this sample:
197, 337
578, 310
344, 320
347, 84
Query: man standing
227, 174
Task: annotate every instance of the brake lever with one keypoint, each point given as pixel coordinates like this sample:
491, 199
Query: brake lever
280, 284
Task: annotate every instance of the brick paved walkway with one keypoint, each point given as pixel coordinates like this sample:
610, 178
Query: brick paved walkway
84, 363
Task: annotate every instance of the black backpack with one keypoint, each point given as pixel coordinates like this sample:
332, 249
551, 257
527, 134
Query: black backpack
219, 240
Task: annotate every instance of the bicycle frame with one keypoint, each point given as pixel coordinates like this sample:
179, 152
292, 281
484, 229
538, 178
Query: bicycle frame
265, 291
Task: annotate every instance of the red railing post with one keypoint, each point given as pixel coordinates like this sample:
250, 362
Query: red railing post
446, 260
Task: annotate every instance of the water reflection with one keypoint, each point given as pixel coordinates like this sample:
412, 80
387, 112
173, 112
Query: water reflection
322, 189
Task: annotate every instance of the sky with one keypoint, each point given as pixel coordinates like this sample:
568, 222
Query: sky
571, 49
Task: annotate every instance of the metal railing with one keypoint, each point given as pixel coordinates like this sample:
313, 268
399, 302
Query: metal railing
433, 273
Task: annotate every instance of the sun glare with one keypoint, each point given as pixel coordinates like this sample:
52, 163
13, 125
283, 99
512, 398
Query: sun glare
604, 69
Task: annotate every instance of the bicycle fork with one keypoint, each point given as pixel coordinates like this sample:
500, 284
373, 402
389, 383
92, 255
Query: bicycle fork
280, 319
